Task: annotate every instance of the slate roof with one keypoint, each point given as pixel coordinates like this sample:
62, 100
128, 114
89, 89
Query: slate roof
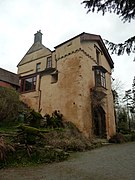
9, 77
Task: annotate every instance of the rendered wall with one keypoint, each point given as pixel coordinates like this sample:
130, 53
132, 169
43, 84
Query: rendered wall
72, 93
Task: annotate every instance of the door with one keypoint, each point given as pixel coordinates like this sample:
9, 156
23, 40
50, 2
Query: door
99, 122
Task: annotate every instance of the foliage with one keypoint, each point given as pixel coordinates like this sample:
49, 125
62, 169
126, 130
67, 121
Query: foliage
54, 145
122, 124
133, 97
28, 135
123, 8
33, 155
117, 90
5, 148
122, 116
115, 97
117, 138
48, 154
70, 139
128, 46
33, 118
129, 136
29, 129
132, 136
54, 121
10, 106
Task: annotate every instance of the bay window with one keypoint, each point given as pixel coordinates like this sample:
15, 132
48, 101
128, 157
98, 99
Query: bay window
100, 79
28, 84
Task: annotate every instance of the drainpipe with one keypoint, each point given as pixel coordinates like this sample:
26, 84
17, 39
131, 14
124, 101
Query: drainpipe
39, 90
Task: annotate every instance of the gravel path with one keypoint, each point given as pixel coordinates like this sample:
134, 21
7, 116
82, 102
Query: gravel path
112, 162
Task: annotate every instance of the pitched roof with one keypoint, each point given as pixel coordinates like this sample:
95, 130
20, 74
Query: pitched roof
92, 37
9, 77
36, 47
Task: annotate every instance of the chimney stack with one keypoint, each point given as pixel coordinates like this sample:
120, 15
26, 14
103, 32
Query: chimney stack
38, 37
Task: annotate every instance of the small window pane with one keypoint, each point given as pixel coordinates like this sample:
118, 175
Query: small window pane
49, 62
38, 67
28, 84
100, 78
97, 56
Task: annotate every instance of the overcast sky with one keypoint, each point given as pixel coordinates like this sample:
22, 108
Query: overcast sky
58, 20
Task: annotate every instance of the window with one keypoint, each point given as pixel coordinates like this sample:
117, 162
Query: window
38, 66
49, 62
28, 84
97, 56
100, 78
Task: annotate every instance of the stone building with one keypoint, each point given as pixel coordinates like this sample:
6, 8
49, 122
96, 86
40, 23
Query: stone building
75, 78
9, 79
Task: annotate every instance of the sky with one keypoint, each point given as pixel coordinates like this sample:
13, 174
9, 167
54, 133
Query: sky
59, 21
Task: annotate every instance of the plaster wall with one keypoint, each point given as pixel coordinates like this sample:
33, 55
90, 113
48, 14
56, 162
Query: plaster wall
71, 94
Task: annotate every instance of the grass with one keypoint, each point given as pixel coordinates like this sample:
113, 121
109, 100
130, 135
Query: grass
8, 129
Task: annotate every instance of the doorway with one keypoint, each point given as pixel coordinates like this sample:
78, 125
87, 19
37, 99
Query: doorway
99, 122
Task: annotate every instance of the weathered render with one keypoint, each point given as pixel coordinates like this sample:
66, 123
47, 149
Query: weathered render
75, 78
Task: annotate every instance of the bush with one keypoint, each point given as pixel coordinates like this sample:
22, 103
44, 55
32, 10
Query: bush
117, 138
125, 131
5, 148
133, 136
127, 137
10, 106
54, 121
33, 118
28, 135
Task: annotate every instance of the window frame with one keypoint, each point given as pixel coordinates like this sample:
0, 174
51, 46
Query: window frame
98, 53
49, 62
38, 67
100, 77
24, 80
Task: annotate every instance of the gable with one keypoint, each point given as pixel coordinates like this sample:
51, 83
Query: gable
36, 51
98, 39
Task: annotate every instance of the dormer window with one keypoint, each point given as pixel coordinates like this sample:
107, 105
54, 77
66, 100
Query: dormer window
49, 62
100, 79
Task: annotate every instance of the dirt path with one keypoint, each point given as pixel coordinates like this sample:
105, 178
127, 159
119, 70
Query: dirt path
113, 162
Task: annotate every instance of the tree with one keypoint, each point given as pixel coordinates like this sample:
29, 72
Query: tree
118, 89
122, 124
132, 109
133, 91
128, 99
125, 9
